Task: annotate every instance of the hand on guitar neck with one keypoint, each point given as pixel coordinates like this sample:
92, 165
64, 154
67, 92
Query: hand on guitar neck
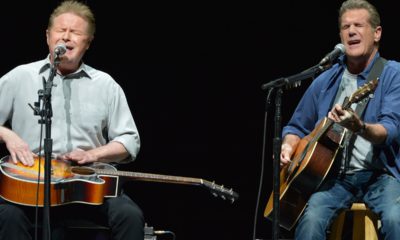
346, 117
375, 133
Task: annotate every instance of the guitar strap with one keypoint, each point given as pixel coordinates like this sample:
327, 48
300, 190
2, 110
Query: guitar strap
375, 72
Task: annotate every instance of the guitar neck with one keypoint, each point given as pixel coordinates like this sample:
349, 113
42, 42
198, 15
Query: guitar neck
150, 177
324, 129
216, 190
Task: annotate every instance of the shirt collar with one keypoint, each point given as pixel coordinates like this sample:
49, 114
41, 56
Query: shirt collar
363, 74
82, 71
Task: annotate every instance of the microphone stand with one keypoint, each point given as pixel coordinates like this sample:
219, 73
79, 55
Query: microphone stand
46, 113
277, 85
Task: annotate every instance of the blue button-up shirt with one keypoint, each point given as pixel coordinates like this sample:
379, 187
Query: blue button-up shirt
383, 108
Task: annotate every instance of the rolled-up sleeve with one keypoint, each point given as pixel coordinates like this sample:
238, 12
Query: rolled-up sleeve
389, 105
121, 125
6, 99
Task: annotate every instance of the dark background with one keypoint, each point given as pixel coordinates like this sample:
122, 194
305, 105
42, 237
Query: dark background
192, 74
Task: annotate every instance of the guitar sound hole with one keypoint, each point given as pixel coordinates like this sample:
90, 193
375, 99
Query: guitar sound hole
82, 170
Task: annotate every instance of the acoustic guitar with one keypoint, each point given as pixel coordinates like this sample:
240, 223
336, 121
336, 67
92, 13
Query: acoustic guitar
80, 184
311, 162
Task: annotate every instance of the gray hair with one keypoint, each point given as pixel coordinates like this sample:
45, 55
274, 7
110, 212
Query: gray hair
77, 8
374, 18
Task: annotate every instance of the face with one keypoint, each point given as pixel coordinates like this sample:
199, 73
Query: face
357, 34
71, 30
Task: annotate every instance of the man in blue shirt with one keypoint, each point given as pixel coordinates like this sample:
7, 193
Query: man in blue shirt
369, 167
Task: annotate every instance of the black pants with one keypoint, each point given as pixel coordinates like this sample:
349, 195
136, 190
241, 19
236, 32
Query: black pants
121, 214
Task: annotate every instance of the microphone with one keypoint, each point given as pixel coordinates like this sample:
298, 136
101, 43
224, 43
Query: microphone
60, 49
332, 56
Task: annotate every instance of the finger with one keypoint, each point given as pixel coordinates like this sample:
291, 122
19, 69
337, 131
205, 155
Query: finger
61, 157
66, 156
14, 157
284, 163
31, 160
285, 160
22, 159
27, 157
337, 108
81, 162
334, 116
283, 157
346, 116
330, 116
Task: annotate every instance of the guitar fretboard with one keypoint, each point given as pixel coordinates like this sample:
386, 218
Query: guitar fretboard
153, 177
217, 190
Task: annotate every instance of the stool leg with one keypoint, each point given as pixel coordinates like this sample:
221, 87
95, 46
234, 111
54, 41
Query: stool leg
371, 225
364, 226
359, 225
337, 227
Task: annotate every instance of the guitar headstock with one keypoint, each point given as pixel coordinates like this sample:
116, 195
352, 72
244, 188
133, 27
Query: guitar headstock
363, 92
221, 191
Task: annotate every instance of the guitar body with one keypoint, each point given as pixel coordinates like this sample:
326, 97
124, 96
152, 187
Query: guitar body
69, 184
310, 165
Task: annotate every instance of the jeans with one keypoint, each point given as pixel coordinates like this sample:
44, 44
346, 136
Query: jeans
380, 192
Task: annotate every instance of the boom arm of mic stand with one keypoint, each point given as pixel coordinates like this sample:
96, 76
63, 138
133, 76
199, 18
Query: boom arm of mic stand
292, 80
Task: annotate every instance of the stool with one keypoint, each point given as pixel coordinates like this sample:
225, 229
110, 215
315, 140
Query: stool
83, 229
365, 223
77, 229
